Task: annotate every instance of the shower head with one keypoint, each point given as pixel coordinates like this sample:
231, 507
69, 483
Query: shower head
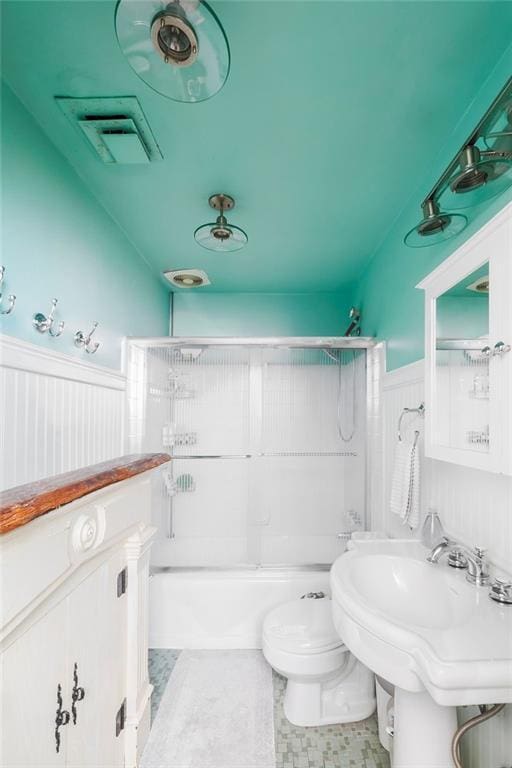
190, 353
355, 320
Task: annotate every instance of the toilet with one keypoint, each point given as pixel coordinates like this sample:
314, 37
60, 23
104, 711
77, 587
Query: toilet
326, 683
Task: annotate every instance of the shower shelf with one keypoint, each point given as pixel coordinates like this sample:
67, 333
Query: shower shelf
478, 437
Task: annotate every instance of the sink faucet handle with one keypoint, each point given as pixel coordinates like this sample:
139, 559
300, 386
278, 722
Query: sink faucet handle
501, 591
457, 558
478, 567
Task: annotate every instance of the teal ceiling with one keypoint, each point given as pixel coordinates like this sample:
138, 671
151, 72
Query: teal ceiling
330, 122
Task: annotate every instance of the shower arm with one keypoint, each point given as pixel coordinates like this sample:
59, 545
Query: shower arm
355, 322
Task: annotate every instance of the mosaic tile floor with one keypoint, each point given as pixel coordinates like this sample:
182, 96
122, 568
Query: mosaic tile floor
161, 662
355, 745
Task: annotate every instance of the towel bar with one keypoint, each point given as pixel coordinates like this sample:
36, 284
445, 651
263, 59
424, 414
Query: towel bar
420, 410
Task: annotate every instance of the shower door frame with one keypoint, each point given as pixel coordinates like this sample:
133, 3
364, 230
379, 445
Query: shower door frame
373, 354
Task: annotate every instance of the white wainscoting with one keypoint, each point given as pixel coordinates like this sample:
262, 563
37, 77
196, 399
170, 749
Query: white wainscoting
57, 413
475, 507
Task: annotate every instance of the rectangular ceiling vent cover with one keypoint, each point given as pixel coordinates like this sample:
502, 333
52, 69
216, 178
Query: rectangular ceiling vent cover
115, 128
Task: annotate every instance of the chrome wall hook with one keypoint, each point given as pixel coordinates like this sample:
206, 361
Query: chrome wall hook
11, 298
85, 342
43, 324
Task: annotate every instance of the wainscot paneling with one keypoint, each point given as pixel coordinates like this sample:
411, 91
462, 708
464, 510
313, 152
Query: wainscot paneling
57, 413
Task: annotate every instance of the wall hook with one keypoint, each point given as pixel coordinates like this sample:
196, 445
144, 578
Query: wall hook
43, 324
85, 342
11, 298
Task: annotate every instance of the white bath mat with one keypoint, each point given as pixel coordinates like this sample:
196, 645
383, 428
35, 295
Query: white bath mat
216, 712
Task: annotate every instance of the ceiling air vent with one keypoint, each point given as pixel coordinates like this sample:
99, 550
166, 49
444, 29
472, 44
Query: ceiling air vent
115, 128
187, 278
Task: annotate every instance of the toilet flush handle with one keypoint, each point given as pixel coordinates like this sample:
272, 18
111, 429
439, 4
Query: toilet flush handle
313, 595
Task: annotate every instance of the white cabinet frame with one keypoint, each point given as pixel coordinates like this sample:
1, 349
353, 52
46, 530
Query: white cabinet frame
492, 244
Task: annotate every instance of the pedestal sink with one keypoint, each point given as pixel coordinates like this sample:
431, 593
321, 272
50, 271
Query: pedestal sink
440, 640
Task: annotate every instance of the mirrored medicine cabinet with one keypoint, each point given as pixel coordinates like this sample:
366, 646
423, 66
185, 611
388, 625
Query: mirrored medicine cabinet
468, 357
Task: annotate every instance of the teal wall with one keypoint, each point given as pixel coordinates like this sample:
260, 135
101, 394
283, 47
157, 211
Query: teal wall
393, 309
57, 241
460, 317
260, 314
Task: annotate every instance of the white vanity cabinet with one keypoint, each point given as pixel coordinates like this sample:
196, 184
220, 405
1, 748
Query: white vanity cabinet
468, 314
74, 632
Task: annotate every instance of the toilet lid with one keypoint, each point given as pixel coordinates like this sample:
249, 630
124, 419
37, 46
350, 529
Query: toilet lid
302, 626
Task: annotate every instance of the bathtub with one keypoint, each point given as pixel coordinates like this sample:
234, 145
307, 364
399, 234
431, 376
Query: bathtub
214, 608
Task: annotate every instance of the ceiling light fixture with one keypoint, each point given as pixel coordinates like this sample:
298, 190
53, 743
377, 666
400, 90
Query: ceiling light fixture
219, 235
435, 226
476, 174
482, 174
179, 49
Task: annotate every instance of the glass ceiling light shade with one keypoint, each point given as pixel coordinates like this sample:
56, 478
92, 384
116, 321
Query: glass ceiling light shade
219, 235
481, 176
179, 49
435, 227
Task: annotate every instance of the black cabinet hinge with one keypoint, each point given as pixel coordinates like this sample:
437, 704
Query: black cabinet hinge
121, 718
122, 582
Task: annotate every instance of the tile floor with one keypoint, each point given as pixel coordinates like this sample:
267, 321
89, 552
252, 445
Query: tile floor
161, 663
355, 745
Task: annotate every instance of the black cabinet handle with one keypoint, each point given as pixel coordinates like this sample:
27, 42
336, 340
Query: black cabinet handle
77, 694
61, 718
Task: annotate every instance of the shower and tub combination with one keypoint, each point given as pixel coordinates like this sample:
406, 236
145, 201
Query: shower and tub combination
268, 478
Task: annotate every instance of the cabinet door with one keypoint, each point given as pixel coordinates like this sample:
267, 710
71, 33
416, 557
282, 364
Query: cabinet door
96, 654
32, 667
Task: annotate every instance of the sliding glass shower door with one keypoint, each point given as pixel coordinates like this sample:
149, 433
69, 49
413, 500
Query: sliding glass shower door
267, 446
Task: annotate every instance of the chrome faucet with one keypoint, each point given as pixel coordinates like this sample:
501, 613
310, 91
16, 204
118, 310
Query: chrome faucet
438, 550
461, 557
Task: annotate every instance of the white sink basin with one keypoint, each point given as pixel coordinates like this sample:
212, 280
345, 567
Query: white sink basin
422, 626
410, 592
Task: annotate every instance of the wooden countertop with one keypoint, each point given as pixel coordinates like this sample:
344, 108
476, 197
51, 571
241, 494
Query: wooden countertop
20, 505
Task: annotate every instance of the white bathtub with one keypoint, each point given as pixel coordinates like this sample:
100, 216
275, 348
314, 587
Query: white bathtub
222, 608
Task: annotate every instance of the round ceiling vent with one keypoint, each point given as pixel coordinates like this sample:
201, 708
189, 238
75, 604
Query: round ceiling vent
187, 278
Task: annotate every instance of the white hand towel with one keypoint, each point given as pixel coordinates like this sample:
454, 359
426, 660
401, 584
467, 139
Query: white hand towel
405, 496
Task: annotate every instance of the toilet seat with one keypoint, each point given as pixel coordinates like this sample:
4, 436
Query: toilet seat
302, 626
